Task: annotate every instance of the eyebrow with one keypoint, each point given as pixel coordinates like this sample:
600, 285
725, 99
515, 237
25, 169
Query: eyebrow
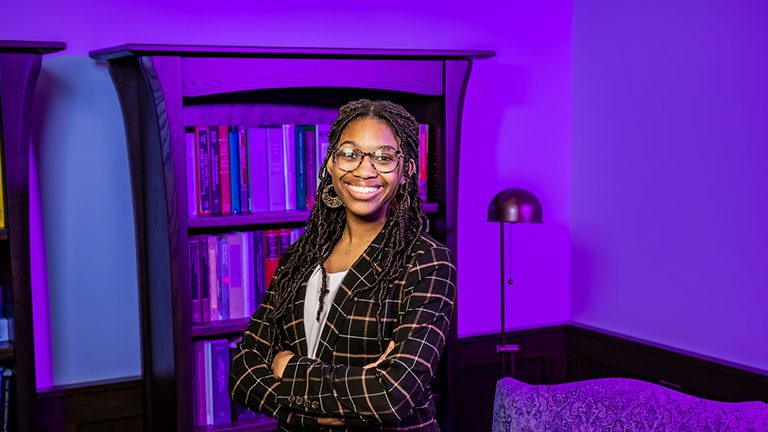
357, 145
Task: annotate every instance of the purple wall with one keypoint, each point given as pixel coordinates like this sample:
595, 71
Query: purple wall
516, 132
670, 172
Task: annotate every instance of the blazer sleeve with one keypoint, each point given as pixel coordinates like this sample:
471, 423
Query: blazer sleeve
251, 379
387, 393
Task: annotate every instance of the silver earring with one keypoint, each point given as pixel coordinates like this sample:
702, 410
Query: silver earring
331, 201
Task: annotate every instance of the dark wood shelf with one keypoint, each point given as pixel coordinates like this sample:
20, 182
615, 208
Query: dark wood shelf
267, 424
266, 218
7, 352
219, 328
37, 47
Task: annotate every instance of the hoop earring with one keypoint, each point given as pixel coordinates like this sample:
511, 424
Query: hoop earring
331, 201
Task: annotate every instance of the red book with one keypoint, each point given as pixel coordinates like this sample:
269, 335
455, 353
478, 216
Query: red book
272, 249
226, 191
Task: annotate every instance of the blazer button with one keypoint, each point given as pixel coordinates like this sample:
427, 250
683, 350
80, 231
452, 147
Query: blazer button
314, 404
299, 400
291, 398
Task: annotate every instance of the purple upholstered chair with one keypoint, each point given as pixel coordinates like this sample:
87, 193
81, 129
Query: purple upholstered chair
617, 404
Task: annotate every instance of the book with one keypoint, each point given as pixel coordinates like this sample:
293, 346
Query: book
205, 299
203, 171
192, 178
259, 274
213, 137
194, 265
225, 164
310, 164
198, 349
7, 407
224, 278
289, 165
323, 132
219, 360
213, 277
277, 173
272, 254
423, 160
300, 166
242, 144
234, 171
259, 172
236, 277
249, 272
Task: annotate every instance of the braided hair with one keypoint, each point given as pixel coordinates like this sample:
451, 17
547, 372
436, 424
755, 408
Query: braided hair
405, 219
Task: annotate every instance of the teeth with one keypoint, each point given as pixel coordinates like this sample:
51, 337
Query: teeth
363, 189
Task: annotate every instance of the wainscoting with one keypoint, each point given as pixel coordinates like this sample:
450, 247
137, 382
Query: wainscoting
548, 355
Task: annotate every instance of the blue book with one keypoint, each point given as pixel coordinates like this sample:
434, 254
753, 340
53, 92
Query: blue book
222, 410
301, 174
234, 171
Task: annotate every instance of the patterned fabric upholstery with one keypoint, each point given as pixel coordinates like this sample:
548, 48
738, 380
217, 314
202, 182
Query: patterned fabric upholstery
617, 404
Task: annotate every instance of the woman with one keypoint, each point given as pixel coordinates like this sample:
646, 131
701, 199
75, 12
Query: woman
356, 316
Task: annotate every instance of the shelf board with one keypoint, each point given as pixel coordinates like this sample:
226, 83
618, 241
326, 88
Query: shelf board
40, 47
266, 424
266, 218
7, 351
219, 328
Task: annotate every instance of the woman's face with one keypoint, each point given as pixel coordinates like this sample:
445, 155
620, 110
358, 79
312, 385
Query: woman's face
365, 191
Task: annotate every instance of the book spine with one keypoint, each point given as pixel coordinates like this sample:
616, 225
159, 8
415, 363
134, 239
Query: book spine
224, 278
276, 170
258, 170
259, 265
300, 164
7, 399
289, 165
249, 285
208, 383
222, 411
285, 241
198, 347
225, 169
194, 265
204, 171
236, 277
214, 291
213, 133
205, 302
323, 133
242, 147
234, 171
192, 177
423, 160
272, 250
310, 165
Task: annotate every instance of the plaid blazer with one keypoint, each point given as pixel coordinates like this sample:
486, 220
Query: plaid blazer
395, 395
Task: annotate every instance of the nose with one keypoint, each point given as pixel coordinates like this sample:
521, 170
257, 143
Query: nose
365, 169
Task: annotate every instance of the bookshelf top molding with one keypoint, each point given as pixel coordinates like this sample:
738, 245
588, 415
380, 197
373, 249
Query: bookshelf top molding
131, 49
40, 47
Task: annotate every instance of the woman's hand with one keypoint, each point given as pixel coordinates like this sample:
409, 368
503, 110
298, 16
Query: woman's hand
329, 421
389, 349
280, 362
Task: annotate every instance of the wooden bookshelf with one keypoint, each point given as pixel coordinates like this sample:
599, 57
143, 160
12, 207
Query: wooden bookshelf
20, 63
164, 89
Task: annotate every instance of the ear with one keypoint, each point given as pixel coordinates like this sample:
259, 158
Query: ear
411, 169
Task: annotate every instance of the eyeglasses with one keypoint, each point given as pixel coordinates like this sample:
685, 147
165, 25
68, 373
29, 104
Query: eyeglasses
384, 160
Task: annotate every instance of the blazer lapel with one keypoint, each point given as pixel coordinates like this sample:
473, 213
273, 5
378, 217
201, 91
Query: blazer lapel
362, 275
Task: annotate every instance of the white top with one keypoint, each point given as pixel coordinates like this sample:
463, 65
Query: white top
312, 327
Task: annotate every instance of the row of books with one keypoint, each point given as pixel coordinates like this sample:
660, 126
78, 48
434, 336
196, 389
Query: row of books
213, 405
230, 272
7, 418
234, 170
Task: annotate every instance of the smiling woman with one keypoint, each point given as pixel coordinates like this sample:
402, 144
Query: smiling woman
356, 316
